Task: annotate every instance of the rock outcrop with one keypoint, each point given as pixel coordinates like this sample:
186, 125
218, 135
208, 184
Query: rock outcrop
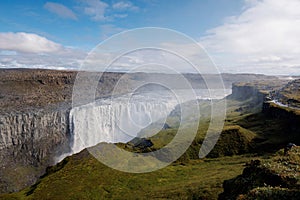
273, 178
256, 91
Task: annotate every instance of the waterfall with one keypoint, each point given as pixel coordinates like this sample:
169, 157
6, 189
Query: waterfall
115, 120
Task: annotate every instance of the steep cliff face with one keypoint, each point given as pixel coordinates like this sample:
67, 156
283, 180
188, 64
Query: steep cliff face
29, 142
36, 132
289, 116
271, 109
285, 107
255, 91
244, 92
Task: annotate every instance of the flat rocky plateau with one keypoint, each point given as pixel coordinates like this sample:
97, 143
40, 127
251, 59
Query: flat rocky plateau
26, 89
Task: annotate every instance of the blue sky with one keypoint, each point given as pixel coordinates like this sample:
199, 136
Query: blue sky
257, 36
82, 30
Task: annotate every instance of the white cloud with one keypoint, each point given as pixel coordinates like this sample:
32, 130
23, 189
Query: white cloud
60, 10
27, 43
122, 5
28, 50
96, 9
263, 37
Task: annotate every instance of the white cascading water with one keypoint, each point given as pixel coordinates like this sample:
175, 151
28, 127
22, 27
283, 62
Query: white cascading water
116, 120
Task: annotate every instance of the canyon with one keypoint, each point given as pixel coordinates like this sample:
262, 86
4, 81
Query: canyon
35, 115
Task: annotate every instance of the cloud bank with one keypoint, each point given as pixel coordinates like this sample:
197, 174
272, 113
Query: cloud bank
28, 50
264, 38
27, 43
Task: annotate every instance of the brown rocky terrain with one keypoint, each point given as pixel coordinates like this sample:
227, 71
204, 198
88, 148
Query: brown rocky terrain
37, 88
26, 89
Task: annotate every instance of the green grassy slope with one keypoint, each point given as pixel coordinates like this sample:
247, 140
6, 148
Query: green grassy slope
83, 177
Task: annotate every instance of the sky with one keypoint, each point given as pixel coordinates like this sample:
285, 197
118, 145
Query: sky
240, 36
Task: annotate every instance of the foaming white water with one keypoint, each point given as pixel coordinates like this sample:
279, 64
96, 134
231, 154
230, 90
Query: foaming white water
116, 120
